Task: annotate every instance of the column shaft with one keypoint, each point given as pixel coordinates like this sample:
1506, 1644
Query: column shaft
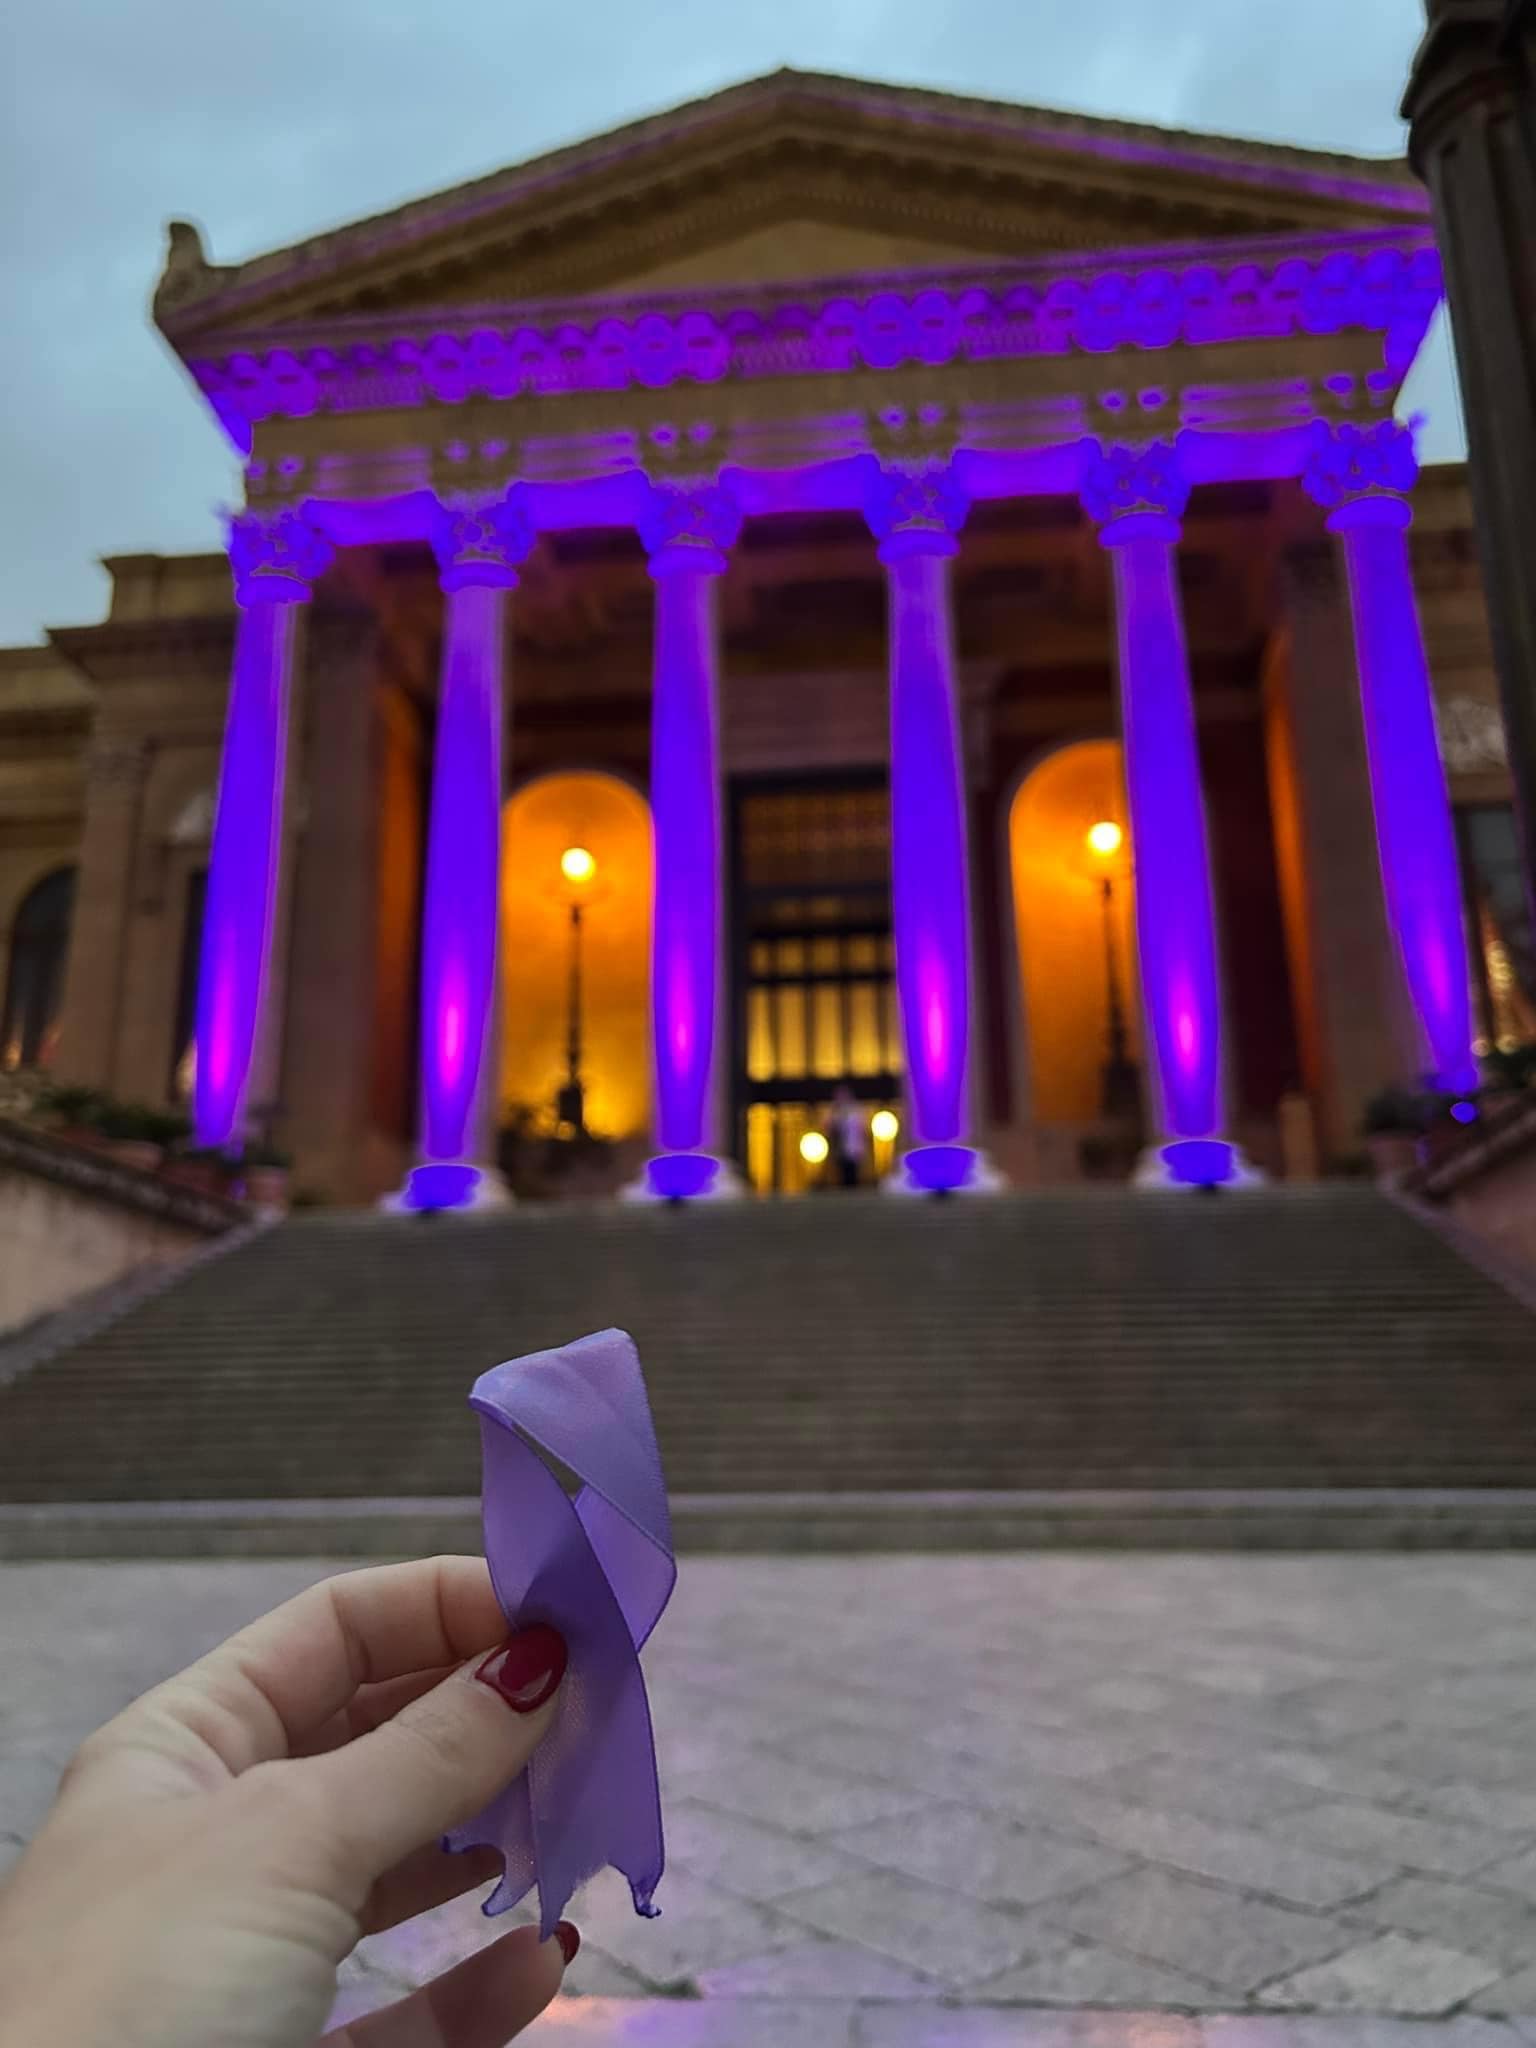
928, 849
685, 806
458, 971
480, 544
1362, 477
242, 873
1175, 915
1137, 496
687, 531
1420, 868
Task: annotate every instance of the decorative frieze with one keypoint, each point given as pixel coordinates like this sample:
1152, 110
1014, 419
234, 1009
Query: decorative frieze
1388, 284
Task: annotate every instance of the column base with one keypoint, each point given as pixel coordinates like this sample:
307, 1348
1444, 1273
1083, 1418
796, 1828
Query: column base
686, 1177
439, 1186
1194, 1166
944, 1170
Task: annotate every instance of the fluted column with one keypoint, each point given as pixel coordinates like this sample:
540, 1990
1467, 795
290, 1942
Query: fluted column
1362, 477
687, 533
1136, 497
916, 515
275, 559
479, 549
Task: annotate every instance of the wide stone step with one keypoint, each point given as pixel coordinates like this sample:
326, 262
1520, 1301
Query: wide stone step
847, 1348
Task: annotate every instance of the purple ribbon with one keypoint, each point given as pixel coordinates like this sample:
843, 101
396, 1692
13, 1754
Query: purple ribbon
598, 1568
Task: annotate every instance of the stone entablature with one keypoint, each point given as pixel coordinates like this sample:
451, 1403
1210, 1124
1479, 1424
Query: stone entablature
1386, 283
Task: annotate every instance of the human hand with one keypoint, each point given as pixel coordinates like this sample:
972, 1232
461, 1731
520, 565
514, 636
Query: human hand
217, 1849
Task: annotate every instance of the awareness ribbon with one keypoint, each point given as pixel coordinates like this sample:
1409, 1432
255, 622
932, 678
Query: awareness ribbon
599, 1568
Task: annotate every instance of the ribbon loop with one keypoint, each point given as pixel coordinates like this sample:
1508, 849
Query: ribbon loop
600, 1569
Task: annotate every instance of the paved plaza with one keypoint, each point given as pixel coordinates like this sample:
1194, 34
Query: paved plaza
974, 1801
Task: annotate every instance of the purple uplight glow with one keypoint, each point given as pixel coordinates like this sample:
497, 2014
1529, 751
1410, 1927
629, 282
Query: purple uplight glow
1363, 476
440, 1186
242, 870
1464, 1112
458, 967
1200, 1162
1138, 496
687, 533
928, 859
681, 1176
940, 1169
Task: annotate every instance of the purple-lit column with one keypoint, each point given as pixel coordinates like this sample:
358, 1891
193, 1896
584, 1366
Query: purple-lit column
1362, 477
687, 533
916, 515
275, 558
1136, 496
479, 549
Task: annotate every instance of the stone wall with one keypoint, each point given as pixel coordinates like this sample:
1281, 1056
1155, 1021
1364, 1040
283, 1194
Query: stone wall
57, 1243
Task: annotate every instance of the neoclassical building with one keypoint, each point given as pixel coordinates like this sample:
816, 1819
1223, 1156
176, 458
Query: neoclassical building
833, 586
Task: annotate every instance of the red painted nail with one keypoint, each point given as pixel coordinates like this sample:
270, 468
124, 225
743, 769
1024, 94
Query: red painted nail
569, 1938
526, 1671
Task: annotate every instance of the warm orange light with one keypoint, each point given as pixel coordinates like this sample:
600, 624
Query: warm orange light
884, 1125
814, 1149
577, 865
1105, 839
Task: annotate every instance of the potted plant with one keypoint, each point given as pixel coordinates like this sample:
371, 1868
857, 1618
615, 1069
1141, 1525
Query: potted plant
1395, 1122
1508, 1072
72, 1112
202, 1168
138, 1135
265, 1171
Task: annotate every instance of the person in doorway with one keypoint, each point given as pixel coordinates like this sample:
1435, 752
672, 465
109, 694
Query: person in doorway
848, 1136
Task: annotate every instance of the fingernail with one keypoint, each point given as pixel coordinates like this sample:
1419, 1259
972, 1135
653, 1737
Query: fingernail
526, 1671
569, 1938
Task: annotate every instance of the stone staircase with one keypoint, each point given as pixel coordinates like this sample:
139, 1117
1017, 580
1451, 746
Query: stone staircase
851, 1345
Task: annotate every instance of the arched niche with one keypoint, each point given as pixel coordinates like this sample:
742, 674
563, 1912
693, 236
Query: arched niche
1062, 934
612, 822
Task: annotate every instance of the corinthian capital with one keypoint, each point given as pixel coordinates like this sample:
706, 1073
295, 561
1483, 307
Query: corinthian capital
689, 525
276, 556
1127, 490
1358, 474
916, 510
484, 541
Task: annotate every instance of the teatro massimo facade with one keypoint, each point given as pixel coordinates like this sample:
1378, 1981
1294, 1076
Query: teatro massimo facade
831, 586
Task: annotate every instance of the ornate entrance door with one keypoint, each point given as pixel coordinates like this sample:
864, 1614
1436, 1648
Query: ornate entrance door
813, 986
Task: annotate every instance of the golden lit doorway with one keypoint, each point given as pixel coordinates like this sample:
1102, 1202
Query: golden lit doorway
814, 979
1071, 861
582, 843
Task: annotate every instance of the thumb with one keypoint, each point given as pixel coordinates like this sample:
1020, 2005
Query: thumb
443, 1756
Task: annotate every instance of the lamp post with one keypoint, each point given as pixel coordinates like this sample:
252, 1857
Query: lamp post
578, 868
1121, 1083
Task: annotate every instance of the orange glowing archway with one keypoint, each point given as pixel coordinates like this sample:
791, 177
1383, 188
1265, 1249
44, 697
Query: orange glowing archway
1058, 864
610, 822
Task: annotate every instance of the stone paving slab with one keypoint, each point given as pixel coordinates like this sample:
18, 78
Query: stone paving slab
1073, 1802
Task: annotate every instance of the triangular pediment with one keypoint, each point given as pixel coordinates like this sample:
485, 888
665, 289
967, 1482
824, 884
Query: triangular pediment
792, 176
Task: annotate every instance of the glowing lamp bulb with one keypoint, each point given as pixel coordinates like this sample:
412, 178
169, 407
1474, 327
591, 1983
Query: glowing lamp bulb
814, 1149
884, 1125
577, 865
1105, 838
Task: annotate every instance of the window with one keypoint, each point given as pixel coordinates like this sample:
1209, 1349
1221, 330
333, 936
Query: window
34, 988
1503, 944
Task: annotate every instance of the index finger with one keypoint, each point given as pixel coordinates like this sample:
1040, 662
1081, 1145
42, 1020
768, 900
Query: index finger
264, 1692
